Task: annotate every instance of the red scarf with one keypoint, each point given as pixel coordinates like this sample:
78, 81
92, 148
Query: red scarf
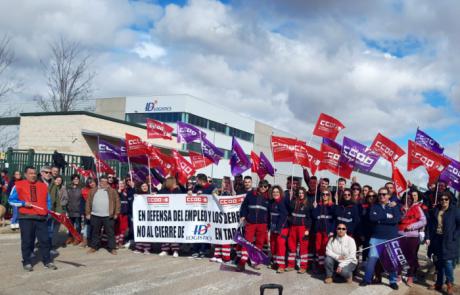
412, 216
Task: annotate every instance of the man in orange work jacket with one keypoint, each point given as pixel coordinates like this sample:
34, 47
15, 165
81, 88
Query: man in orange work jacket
33, 200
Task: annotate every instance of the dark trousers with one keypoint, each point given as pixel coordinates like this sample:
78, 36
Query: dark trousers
96, 225
31, 229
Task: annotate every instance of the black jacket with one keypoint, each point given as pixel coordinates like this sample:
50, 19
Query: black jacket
445, 246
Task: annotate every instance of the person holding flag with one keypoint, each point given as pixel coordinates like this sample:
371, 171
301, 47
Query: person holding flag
385, 219
33, 200
279, 228
443, 240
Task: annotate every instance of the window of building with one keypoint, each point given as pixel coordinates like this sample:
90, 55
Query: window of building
217, 126
241, 134
141, 118
194, 147
197, 121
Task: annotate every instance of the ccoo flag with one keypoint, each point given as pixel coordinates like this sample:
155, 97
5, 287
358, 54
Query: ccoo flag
283, 149
427, 141
265, 167
135, 146
239, 162
157, 129
399, 180
185, 169
108, 151
255, 162
327, 126
389, 150
187, 133
451, 175
357, 155
210, 151
421, 156
198, 160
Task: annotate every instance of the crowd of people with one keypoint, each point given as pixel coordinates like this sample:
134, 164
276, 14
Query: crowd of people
329, 230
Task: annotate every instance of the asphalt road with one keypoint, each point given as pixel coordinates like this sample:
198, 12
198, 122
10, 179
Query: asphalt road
129, 273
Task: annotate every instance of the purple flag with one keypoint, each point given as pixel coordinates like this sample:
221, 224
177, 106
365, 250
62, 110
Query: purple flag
123, 153
210, 151
255, 254
357, 155
187, 133
332, 143
427, 141
265, 167
108, 151
393, 255
451, 175
141, 173
239, 162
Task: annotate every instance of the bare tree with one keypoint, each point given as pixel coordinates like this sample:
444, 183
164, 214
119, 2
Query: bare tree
68, 75
8, 134
6, 59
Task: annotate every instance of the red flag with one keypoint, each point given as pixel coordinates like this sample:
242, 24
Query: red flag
103, 167
255, 162
135, 146
198, 160
399, 180
387, 148
155, 160
84, 173
185, 169
157, 129
327, 126
314, 159
283, 149
301, 154
421, 156
170, 167
330, 161
64, 220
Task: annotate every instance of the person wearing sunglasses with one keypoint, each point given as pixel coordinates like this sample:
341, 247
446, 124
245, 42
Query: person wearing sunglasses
412, 223
443, 240
340, 255
254, 213
385, 219
323, 214
299, 230
45, 176
347, 212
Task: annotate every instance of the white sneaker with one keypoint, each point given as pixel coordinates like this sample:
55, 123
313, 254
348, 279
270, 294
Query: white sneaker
137, 252
219, 260
175, 254
163, 253
146, 252
127, 245
214, 259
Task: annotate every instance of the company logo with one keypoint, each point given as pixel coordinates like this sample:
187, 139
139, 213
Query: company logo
315, 160
331, 155
327, 124
453, 170
134, 141
399, 253
154, 200
196, 200
386, 150
427, 162
283, 146
201, 230
355, 154
231, 201
153, 107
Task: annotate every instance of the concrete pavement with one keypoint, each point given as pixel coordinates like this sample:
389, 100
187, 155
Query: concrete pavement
129, 273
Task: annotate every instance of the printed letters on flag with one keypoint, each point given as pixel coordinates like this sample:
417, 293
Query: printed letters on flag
327, 126
123, 151
185, 169
135, 146
84, 173
331, 161
427, 141
187, 133
301, 154
393, 255
357, 155
451, 175
283, 149
108, 151
198, 160
398, 180
314, 159
421, 156
239, 162
210, 150
386, 148
157, 129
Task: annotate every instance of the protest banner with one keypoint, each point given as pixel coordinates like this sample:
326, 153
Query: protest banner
182, 218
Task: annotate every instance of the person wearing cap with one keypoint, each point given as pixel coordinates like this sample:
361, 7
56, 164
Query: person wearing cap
254, 212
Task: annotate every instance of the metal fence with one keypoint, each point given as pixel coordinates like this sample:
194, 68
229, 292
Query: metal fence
17, 160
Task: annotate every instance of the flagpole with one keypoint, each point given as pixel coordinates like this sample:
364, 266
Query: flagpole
150, 176
394, 239
338, 176
436, 195
213, 142
271, 148
98, 162
292, 170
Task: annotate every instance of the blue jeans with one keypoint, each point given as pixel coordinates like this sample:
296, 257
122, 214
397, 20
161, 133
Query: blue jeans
444, 267
14, 218
372, 261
